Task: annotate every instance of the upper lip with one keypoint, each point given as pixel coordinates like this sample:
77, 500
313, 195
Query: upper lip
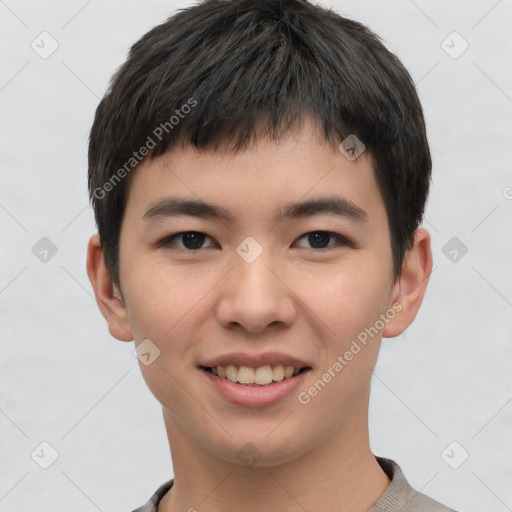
255, 360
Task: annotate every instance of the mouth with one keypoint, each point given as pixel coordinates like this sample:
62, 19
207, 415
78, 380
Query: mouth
261, 376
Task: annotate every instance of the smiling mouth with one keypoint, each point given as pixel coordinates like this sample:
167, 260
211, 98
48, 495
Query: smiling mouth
256, 377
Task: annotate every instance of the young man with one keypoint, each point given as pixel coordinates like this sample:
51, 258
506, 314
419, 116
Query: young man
258, 172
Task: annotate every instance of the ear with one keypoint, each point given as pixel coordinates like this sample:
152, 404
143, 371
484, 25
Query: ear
109, 302
410, 287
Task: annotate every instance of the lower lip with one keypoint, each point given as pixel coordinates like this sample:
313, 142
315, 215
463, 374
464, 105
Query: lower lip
255, 396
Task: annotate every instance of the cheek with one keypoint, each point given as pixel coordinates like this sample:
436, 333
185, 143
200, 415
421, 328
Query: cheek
164, 311
168, 306
162, 297
349, 302
349, 306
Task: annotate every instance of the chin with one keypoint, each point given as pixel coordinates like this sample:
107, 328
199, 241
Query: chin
259, 450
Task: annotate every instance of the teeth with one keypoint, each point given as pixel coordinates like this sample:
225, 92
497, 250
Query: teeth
278, 373
261, 376
231, 373
245, 375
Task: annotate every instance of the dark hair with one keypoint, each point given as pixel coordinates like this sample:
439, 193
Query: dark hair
225, 72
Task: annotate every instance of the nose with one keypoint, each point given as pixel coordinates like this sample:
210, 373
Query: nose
254, 296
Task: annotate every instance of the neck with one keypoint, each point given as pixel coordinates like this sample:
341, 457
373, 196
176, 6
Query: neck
338, 474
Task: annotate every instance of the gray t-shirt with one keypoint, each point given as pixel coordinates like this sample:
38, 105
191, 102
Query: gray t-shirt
399, 496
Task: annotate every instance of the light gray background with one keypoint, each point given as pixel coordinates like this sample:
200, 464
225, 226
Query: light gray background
64, 380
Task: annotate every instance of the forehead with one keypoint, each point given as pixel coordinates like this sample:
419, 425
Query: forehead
266, 179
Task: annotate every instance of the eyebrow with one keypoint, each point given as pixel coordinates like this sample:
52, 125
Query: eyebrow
333, 205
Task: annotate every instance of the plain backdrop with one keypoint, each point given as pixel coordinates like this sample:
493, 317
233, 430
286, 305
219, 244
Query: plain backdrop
441, 392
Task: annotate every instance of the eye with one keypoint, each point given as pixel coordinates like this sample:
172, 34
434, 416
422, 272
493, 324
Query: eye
191, 240
194, 240
320, 240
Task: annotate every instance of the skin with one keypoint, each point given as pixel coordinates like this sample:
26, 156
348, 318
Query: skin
304, 301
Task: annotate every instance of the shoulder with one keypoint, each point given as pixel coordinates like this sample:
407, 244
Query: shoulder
152, 504
401, 496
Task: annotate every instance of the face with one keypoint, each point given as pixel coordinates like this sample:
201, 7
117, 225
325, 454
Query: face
253, 279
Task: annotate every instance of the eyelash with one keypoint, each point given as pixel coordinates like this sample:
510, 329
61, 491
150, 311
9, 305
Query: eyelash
342, 241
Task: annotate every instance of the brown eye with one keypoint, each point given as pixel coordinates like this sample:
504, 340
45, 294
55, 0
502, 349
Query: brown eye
319, 239
324, 240
190, 240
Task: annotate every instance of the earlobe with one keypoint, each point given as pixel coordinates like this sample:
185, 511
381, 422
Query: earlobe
410, 288
108, 298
